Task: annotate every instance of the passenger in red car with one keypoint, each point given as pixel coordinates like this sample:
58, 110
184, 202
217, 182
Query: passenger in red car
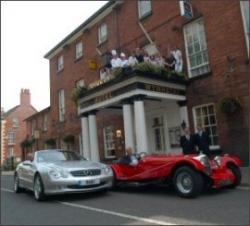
130, 158
188, 142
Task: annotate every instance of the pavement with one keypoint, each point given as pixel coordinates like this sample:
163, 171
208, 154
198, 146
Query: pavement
134, 206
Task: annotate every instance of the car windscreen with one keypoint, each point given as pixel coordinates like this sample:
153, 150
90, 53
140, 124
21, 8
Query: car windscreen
56, 156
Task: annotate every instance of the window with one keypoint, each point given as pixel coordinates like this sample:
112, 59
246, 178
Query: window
196, 48
60, 62
159, 135
80, 83
79, 50
144, 8
205, 116
15, 122
245, 15
45, 122
109, 143
61, 105
11, 152
102, 33
11, 138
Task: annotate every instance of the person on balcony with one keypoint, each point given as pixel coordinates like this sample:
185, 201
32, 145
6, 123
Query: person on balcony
139, 55
132, 60
178, 59
115, 61
170, 62
124, 60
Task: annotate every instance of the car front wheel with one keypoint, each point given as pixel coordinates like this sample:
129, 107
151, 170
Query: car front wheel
236, 172
38, 188
17, 188
188, 182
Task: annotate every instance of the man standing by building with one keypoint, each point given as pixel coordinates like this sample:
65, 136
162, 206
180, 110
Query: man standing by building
202, 140
188, 142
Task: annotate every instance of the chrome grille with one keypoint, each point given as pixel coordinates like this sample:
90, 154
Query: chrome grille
86, 173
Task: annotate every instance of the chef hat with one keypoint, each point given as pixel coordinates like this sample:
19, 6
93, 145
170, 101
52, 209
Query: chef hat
113, 52
123, 55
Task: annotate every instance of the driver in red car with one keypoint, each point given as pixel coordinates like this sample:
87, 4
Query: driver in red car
130, 158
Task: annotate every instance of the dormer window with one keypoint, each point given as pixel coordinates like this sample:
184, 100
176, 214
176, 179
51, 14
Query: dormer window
102, 33
60, 63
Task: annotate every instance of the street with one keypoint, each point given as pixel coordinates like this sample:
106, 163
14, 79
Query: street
144, 206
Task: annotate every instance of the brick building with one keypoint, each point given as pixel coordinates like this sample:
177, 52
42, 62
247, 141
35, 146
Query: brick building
15, 128
145, 111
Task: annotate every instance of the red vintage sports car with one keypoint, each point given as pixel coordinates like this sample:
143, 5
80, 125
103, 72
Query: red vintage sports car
189, 174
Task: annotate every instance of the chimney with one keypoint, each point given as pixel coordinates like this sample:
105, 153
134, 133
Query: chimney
25, 97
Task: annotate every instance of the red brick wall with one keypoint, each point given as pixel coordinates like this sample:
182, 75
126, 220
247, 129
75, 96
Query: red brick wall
225, 37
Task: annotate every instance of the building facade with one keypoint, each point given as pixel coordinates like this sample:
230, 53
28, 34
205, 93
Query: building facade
145, 111
15, 128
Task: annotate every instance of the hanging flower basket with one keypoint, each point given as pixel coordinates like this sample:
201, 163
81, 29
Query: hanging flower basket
51, 142
69, 139
229, 105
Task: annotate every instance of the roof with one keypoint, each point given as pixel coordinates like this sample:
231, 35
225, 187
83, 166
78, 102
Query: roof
7, 113
81, 27
38, 113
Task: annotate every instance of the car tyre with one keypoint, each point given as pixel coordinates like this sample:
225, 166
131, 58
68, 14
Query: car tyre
38, 188
236, 171
187, 182
17, 188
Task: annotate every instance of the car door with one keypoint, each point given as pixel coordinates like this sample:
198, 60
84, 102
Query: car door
29, 171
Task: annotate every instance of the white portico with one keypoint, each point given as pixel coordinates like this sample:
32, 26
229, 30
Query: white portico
153, 110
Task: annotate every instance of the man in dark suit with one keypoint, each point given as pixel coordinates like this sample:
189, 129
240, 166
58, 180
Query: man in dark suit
202, 140
187, 142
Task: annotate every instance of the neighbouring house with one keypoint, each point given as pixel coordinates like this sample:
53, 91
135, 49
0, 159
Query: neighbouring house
145, 109
14, 129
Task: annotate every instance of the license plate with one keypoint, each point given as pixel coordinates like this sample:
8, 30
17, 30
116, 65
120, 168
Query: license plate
88, 182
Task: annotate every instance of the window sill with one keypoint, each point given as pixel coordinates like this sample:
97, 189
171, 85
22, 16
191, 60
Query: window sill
145, 16
202, 76
78, 59
102, 43
110, 157
60, 71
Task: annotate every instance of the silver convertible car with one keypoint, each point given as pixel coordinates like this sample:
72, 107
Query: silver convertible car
57, 171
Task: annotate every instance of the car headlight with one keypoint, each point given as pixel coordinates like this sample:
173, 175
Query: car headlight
217, 159
58, 173
205, 162
106, 170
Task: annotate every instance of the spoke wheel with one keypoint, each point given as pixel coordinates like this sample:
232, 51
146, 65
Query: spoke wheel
236, 172
188, 182
38, 189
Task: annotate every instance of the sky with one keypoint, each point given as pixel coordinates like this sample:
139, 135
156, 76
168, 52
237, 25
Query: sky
29, 29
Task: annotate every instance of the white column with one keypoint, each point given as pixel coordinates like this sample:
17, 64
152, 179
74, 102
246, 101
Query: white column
128, 126
184, 115
140, 127
94, 147
85, 137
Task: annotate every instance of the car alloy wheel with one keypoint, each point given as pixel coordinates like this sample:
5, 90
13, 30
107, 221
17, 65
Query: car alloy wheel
17, 189
188, 182
38, 188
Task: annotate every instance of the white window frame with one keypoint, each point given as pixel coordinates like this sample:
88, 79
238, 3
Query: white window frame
106, 148
45, 122
147, 11
102, 37
60, 63
212, 147
11, 152
11, 138
61, 105
247, 34
80, 83
187, 53
15, 122
79, 50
